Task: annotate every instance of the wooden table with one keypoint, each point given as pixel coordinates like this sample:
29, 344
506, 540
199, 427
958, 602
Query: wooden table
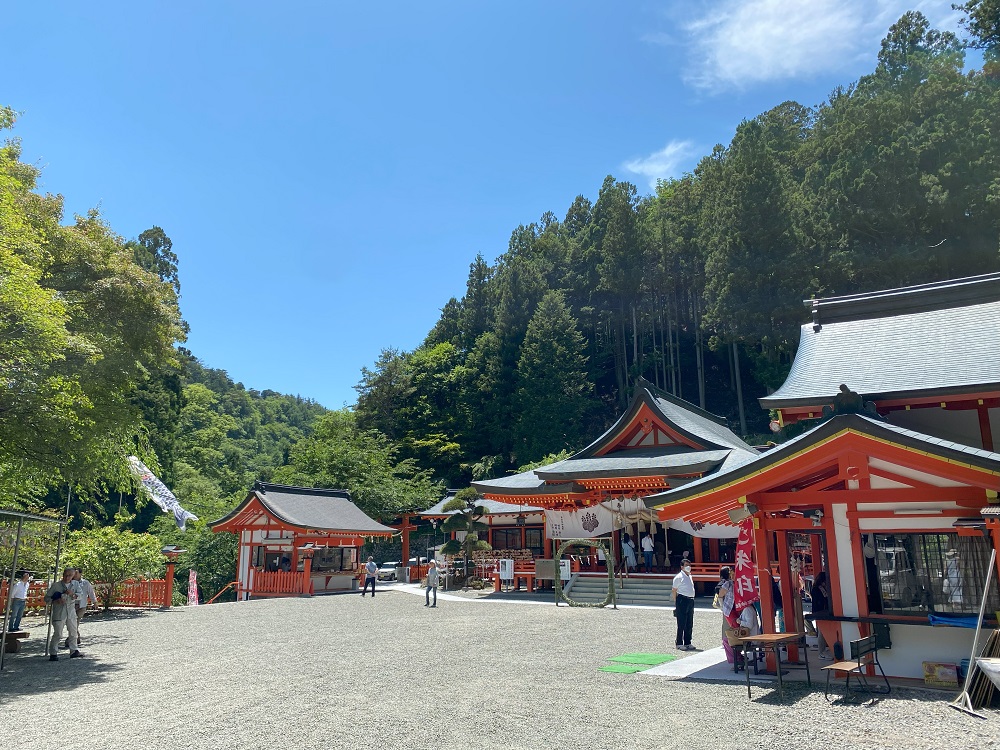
771, 642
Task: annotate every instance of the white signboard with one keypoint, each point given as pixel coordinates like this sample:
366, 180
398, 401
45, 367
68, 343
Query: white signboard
506, 570
565, 570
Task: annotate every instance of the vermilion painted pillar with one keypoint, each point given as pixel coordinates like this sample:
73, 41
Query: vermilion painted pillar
788, 591
406, 540
168, 590
307, 563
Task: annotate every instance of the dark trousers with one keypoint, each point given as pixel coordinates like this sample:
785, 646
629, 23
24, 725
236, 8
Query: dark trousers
435, 590
684, 612
648, 557
371, 580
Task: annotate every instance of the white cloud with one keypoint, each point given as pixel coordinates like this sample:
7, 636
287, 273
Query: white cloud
735, 44
663, 164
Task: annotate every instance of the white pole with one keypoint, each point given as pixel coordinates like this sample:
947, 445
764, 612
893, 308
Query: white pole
964, 701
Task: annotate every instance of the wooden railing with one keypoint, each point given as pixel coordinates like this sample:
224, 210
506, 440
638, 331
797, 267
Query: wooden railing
278, 583
36, 595
131, 593
136, 592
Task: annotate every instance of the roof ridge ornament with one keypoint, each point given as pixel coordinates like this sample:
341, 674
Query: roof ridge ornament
850, 402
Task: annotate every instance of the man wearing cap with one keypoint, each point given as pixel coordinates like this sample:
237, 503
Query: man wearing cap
63, 600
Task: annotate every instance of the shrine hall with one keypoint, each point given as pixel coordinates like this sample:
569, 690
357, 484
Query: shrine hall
890, 482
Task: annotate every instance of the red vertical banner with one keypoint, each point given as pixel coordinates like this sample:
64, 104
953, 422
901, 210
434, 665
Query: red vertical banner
744, 584
192, 586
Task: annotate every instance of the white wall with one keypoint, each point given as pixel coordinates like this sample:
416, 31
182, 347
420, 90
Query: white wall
914, 644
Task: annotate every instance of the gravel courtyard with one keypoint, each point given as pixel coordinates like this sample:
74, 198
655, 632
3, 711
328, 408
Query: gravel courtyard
351, 672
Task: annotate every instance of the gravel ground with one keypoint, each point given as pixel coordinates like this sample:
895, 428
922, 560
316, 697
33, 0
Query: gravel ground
345, 671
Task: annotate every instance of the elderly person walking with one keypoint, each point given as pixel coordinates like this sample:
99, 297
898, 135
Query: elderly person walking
433, 575
60, 595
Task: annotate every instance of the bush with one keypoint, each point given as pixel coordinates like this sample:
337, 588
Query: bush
111, 556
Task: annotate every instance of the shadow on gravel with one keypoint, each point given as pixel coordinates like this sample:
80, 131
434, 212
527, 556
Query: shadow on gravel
31, 673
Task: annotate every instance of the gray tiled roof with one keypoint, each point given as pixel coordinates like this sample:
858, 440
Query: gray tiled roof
310, 508
697, 424
641, 462
722, 448
525, 483
866, 425
942, 338
493, 507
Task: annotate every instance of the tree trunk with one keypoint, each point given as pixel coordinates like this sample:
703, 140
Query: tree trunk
700, 343
739, 391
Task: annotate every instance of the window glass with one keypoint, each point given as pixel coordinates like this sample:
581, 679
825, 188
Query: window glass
506, 538
533, 541
918, 574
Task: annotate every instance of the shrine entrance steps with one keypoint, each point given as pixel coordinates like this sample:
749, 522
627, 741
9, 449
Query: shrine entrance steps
650, 592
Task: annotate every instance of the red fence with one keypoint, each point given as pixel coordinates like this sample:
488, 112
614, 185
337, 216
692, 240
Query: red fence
131, 593
36, 595
278, 583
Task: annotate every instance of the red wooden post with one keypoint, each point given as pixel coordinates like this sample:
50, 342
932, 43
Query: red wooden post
406, 540
171, 552
306, 553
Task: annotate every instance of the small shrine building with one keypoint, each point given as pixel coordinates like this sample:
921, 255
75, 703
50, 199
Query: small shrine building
298, 541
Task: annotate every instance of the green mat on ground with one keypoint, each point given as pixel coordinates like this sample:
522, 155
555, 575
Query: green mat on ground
625, 668
650, 660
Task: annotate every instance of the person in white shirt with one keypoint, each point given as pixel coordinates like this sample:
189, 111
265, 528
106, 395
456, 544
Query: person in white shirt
19, 599
628, 552
683, 591
85, 595
647, 551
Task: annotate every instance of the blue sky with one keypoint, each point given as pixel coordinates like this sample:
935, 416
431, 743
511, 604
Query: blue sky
327, 171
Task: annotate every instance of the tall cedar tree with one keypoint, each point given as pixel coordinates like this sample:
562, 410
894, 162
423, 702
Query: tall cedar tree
553, 393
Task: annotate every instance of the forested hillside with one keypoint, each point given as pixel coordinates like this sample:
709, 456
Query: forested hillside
699, 287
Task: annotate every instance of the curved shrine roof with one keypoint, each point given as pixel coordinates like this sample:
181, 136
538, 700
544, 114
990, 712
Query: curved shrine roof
310, 508
929, 339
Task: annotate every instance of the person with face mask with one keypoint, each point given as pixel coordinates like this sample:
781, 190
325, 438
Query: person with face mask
683, 590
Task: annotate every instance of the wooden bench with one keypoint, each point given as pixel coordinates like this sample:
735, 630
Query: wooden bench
864, 654
12, 641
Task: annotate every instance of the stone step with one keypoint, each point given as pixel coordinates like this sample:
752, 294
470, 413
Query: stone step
648, 592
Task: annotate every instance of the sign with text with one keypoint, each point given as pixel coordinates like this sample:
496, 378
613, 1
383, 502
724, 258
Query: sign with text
192, 587
744, 585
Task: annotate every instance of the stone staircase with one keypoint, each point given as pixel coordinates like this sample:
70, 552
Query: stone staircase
652, 592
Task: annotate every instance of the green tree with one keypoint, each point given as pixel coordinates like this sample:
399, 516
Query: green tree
340, 455
111, 556
466, 519
553, 393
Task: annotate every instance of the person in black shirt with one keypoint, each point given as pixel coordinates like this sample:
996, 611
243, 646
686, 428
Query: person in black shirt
821, 608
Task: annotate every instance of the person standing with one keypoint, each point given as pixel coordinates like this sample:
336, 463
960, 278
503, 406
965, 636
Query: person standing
683, 591
820, 610
725, 597
952, 587
628, 553
85, 595
433, 574
19, 598
60, 595
371, 573
648, 547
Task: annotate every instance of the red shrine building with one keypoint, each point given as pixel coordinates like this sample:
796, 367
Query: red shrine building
298, 541
891, 484
660, 442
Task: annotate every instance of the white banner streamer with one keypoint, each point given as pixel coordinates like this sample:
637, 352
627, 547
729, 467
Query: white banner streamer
159, 493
